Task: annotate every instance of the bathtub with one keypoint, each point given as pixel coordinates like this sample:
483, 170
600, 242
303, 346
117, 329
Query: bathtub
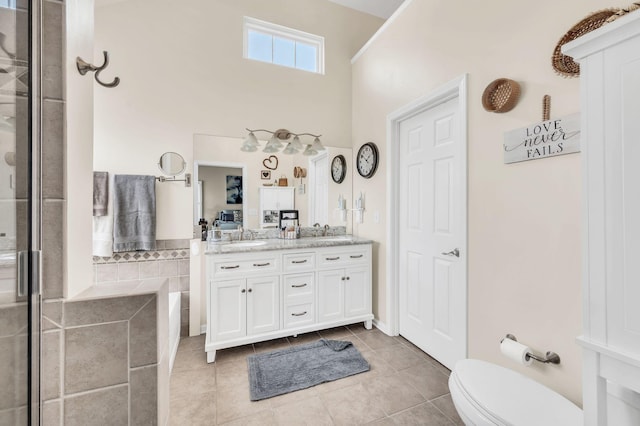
174, 327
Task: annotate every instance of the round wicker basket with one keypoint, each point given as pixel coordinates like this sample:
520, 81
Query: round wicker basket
563, 64
501, 95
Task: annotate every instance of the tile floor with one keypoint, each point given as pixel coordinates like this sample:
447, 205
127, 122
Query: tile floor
405, 386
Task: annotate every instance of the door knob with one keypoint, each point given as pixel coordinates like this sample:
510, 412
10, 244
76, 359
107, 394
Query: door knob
455, 252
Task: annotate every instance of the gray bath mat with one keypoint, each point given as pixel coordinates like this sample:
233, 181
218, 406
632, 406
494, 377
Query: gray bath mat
302, 366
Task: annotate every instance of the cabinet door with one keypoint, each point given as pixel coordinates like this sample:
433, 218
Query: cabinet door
263, 305
357, 289
330, 295
229, 302
285, 198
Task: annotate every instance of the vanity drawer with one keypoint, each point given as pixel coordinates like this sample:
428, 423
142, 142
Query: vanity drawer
244, 266
299, 315
352, 256
299, 287
298, 262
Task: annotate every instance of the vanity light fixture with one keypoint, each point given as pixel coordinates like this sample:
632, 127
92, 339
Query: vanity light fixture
275, 143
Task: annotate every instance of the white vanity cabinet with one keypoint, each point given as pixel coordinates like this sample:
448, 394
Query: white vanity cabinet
343, 282
246, 307
610, 101
264, 295
273, 199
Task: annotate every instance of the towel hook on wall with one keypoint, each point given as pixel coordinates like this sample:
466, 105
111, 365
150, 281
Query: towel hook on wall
84, 67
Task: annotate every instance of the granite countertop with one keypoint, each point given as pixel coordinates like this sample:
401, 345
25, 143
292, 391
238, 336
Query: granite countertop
250, 246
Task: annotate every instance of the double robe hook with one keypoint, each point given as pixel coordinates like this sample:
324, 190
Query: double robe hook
84, 67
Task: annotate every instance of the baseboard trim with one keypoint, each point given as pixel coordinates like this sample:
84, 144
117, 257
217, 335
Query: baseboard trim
382, 327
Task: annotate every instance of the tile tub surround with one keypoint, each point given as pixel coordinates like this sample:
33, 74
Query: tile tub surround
169, 261
106, 358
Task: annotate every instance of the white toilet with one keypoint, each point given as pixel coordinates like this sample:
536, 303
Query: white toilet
488, 394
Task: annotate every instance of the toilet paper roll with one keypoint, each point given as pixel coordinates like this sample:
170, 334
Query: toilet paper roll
515, 351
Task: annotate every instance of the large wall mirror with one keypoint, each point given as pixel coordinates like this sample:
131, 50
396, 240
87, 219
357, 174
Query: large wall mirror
222, 172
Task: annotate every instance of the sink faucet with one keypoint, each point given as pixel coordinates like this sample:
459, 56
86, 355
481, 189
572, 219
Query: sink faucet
316, 229
327, 230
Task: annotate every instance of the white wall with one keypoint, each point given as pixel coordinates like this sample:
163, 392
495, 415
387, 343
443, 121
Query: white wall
524, 219
79, 115
182, 73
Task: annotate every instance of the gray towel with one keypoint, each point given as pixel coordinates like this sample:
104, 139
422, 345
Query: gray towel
100, 193
134, 213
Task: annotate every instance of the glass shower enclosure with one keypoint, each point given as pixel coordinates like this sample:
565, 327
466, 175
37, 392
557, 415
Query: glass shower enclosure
19, 213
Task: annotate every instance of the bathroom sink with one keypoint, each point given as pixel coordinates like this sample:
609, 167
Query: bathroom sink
250, 243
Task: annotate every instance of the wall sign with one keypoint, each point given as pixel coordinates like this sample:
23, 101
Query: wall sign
547, 139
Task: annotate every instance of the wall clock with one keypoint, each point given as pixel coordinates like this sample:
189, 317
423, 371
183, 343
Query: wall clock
338, 168
367, 160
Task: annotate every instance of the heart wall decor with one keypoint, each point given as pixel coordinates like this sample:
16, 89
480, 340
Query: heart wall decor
270, 163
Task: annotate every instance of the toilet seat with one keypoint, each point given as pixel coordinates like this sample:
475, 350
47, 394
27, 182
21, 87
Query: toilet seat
488, 394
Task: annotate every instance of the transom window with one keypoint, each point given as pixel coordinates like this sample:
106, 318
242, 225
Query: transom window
267, 42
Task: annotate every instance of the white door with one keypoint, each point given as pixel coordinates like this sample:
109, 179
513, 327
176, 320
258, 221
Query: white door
432, 233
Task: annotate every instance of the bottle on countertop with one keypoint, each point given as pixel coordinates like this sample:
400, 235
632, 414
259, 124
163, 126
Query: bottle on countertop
204, 224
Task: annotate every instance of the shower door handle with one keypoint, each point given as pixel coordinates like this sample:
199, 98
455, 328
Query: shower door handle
455, 252
22, 279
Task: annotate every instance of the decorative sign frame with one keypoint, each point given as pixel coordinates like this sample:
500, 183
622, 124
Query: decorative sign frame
541, 140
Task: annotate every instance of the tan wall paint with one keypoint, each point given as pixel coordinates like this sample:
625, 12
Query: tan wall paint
182, 73
524, 219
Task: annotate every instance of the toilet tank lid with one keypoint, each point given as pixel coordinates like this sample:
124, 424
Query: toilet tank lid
513, 397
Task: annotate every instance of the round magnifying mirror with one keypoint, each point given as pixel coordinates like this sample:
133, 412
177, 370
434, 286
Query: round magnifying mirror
172, 163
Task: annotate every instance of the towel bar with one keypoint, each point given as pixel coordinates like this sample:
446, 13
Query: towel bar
186, 180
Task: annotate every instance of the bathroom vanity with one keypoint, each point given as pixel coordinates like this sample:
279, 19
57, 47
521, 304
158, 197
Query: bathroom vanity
262, 290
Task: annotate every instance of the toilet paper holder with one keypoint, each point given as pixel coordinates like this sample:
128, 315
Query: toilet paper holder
550, 357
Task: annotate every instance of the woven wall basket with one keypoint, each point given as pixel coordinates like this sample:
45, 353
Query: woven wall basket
563, 64
501, 95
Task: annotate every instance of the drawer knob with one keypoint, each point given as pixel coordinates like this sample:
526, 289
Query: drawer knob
250, 290
348, 278
356, 256
298, 285
298, 314
262, 264
243, 291
299, 261
342, 278
332, 258
230, 267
